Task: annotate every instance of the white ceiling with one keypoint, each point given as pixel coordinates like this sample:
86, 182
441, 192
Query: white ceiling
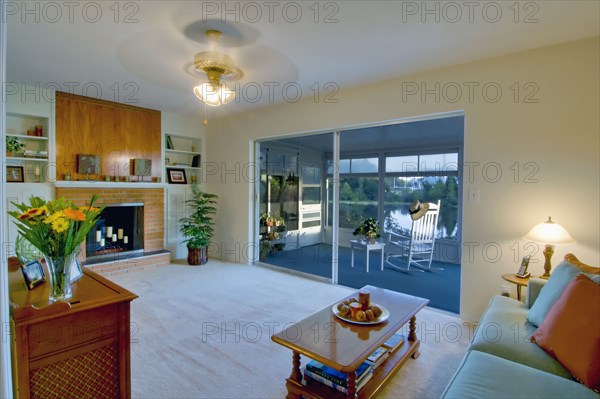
147, 53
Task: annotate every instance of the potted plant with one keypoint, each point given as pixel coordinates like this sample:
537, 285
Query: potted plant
13, 146
369, 229
266, 219
264, 249
198, 228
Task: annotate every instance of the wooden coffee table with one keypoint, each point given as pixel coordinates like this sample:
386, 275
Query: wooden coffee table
344, 346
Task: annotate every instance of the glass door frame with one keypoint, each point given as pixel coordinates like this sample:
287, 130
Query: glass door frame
336, 180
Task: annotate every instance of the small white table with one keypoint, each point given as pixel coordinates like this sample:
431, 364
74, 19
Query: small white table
359, 244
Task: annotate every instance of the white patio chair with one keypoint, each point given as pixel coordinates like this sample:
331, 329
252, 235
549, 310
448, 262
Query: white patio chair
418, 247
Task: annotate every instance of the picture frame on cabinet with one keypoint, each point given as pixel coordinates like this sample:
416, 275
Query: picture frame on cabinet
76, 272
33, 274
176, 176
14, 174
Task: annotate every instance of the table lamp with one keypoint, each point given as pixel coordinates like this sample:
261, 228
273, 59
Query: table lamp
551, 234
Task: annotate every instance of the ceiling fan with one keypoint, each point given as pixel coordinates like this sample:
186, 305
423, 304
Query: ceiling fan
217, 67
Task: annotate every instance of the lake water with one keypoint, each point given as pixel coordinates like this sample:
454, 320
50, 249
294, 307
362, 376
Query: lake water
396, 217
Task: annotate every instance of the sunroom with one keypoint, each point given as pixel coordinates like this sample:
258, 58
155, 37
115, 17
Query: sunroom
316, 189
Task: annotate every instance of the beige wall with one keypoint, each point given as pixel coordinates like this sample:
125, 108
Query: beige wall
556, 138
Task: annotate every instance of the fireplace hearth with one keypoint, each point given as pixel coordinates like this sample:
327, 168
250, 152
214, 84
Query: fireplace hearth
118, 235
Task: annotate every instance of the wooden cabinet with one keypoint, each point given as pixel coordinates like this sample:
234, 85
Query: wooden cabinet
182, 152
75, 349
115, 132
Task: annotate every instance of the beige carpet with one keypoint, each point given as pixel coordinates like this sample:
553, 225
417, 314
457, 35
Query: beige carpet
204, 332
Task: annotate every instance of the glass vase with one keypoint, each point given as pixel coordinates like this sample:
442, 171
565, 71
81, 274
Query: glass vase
59, 270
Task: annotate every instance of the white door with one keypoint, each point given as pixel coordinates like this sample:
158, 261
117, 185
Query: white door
311, 209
175, 210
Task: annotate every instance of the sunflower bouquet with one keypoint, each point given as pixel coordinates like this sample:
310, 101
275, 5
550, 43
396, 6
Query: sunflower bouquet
56, 228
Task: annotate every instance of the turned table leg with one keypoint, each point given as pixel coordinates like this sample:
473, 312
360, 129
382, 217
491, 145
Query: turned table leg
351, 386
296, 377
296, 374
412, 329
412, 335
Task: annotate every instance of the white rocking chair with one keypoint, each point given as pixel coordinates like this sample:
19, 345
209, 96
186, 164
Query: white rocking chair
419, 245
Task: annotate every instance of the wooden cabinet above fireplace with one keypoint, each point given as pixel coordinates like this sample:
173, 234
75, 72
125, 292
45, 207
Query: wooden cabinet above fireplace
116, 132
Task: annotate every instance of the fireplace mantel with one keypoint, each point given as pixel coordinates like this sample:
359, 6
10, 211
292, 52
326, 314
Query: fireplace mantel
104, 184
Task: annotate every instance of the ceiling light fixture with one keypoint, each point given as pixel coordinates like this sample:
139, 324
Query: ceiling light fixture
216, 66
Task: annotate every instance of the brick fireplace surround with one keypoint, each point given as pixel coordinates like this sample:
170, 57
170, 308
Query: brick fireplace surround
153, 199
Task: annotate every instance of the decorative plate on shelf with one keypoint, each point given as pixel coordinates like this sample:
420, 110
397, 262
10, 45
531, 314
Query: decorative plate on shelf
384, 316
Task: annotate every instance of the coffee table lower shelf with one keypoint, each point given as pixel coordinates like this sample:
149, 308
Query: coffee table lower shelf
381, 376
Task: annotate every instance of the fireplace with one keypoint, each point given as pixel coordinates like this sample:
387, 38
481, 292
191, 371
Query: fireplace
118, 235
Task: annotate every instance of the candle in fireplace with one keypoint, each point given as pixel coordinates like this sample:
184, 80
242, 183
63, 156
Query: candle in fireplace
102, 242
120, 234
114, 237
109, 231
125, 239
98, 235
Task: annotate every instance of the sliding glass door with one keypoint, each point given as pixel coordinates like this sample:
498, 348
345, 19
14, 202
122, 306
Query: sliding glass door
307, 226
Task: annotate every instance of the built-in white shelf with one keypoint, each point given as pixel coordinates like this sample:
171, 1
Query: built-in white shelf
26, 137
182, 149
181, 152
21, 159
182, 167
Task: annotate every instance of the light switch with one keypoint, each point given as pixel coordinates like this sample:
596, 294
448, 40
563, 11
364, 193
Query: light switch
474, 195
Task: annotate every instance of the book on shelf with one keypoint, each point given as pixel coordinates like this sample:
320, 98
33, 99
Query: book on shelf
196, 161
343, 389
35, 154
336, 376
169, 143
378, 357
394, 342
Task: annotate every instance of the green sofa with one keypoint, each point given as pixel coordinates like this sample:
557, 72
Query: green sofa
502, 361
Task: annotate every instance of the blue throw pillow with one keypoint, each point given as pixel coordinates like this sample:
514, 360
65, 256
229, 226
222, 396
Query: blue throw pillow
562, 275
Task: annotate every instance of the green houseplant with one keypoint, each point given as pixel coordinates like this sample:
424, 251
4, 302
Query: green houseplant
369, 229
198, 228
13, 146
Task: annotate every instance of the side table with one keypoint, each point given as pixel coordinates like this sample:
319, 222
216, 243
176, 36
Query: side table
376, 246
518, 281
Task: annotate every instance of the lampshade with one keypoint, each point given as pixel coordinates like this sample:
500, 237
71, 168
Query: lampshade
549, 233
214, 94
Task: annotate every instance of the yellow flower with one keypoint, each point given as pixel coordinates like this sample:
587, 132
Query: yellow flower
74, 214
52, 218
32, 213
59, 225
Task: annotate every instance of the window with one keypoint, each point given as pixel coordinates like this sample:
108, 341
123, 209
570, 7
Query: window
426, 177
400, 192
358, 200
422, 163
355, 165
423, 177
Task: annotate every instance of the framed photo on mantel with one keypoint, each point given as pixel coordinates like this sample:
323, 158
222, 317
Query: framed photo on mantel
176, 176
